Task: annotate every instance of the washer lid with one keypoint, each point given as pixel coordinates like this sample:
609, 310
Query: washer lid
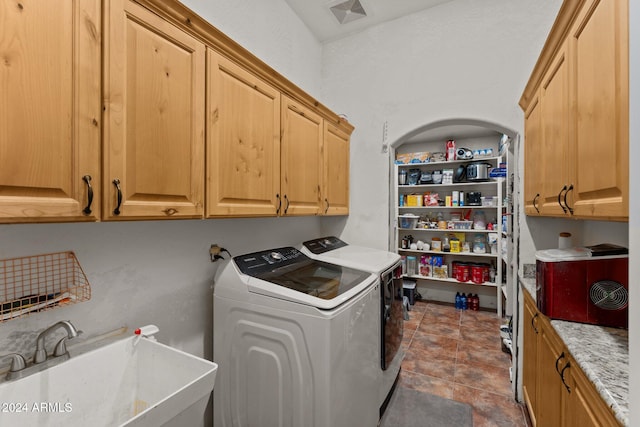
286, 273
360, 257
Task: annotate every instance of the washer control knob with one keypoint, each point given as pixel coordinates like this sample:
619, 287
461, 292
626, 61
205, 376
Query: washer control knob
276, 256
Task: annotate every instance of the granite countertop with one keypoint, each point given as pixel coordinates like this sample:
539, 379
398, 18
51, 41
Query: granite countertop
603, 355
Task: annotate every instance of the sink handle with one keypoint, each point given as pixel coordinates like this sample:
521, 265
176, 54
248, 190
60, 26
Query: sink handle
61, 348
17, 362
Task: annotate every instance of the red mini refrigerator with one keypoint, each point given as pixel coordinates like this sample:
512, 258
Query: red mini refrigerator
585, 289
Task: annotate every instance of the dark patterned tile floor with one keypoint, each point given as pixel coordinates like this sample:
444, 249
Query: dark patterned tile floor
457, 355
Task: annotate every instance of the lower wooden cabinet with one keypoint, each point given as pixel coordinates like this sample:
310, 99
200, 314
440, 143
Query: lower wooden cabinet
530, 332
582, 404
556, 391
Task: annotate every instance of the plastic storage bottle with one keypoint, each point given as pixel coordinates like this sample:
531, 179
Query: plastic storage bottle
458, 302
463, 301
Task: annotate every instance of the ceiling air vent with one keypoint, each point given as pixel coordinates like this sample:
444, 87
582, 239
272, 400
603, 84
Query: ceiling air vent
348, 11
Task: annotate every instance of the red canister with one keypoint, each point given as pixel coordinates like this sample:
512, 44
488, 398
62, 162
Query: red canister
454, 268
462, 272
477, 273
485, 272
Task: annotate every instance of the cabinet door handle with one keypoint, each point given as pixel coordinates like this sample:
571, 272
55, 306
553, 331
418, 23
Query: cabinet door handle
568, 365
558, 361
326, 202
535, 199
279, 204
87, 180
564, 188
116, 182
286, 208
533, 323
565, 199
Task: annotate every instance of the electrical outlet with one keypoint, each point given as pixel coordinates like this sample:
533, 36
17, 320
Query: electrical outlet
215, 252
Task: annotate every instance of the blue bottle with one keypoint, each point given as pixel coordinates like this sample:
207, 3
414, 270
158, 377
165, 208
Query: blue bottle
458, 302
463, 301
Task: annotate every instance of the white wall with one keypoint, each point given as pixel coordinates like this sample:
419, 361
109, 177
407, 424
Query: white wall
461, 59
270, 30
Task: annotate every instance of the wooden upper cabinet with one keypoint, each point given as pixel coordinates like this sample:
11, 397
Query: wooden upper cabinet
243, 142
301, 158
600, 47
154, 117
557, 138
49, 110
533, 158
582, 78
335, 194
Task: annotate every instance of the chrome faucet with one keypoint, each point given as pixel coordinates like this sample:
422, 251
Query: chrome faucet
60, 349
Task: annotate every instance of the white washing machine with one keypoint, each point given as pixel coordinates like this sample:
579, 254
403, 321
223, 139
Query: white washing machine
387, 266
296, 342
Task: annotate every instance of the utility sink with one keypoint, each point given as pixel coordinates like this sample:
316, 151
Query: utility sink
130, 381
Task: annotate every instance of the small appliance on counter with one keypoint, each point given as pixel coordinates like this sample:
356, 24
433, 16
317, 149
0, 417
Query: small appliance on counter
585, 285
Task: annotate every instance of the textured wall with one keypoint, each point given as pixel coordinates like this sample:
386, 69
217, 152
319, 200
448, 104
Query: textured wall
271, 31
462, 59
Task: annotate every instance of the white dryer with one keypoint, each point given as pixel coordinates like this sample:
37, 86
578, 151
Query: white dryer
387, 266
295, 341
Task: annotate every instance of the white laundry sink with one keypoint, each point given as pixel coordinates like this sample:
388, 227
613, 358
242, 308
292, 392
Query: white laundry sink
129, 382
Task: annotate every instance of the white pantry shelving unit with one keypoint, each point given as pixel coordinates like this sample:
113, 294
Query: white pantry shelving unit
500, 191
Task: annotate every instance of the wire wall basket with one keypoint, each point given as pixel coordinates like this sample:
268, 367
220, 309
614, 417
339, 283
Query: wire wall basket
36, 283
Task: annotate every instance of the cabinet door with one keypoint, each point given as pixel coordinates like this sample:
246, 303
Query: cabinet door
243, 142
154, 106
530, 355
335, 196
301, 159
583, 405
49, 110
600, 45
549, 386
533, 158
557, 138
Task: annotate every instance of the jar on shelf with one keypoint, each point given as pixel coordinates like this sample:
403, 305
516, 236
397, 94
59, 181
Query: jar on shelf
446, 247
413, 176
402, 177
479, 221
436, 244
412, 265
479, 244
455, 244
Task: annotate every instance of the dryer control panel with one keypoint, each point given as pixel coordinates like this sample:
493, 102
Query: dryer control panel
323, 244
265, 261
